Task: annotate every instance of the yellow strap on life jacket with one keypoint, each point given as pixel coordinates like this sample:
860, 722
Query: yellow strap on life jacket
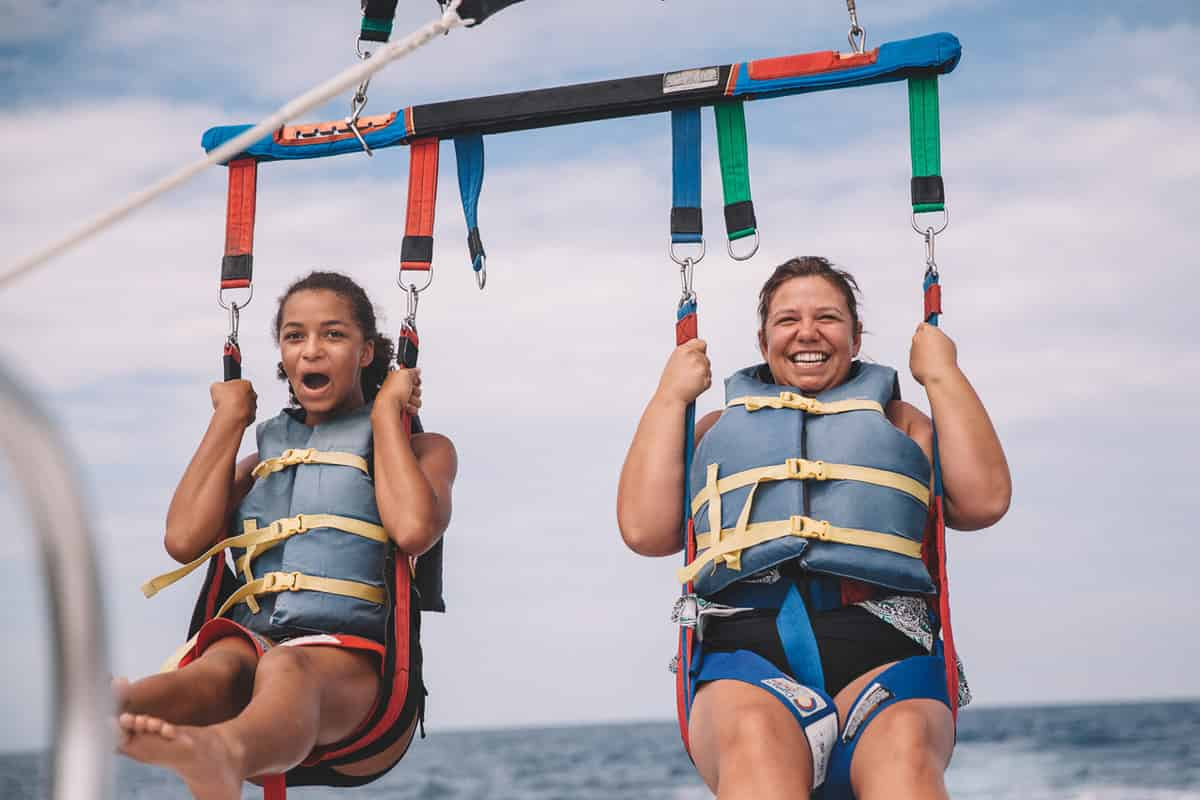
258, 540
800, 469
309, 455
802, 402
275, 582
721, 545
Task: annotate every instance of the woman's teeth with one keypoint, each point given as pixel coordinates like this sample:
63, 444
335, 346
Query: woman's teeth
810, 358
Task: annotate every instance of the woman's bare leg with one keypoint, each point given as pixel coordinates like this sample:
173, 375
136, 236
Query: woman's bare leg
903, 753
746, 744
303, 697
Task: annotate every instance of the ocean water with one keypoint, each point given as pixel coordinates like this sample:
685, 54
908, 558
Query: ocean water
1143, 751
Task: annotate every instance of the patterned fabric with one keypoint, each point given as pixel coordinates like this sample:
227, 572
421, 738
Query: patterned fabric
910, 616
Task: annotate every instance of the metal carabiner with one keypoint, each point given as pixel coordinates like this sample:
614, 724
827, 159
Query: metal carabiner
412, 296
858, 34
930, 259
686, 273
749, 255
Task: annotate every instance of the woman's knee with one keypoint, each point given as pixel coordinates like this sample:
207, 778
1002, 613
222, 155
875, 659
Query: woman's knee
913, 737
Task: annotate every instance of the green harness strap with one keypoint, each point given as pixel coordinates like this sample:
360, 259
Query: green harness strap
928, 192
735, 169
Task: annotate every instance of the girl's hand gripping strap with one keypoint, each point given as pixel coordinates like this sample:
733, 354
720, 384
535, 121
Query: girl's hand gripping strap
735, 174
416, 252
237, 266
468, 151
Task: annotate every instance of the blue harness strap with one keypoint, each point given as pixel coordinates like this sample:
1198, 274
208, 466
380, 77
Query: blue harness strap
468, 152
687, 225
799, 641
920, 677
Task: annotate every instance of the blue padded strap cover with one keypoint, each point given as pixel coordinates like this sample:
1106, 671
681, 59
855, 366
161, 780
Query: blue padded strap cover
813, 709
920, 677
937, 52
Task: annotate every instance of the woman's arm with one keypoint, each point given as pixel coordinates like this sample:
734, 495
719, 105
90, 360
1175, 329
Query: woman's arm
413, 477
213, 483
650, 491
975, 476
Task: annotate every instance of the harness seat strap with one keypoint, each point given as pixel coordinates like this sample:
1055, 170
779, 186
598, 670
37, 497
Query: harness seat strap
416, 251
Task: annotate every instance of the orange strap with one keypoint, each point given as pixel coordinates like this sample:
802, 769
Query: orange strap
417, 250
237, 265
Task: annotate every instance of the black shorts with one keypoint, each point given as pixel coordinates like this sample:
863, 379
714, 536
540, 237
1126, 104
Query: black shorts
850, 640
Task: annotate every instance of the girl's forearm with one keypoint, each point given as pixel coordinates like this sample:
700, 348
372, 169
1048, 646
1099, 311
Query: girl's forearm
409, 507
200, 505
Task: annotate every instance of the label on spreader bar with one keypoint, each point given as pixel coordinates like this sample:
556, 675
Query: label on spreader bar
688, 79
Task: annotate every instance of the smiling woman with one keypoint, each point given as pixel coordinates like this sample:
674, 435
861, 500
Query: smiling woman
808, 581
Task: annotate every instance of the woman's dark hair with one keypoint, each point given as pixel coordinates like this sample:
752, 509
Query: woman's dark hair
374, 373
807, 267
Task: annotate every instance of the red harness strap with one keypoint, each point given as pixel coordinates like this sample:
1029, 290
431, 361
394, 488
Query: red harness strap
416, 252
236, 266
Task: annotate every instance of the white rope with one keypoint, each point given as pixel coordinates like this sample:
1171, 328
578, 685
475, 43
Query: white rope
289, 111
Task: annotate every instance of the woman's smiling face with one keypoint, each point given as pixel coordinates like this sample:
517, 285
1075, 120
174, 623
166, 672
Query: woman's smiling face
809, 338
323, 351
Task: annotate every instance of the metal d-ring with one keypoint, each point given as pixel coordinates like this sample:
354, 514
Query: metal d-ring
678, 260
921, 231
233, 304
748, 256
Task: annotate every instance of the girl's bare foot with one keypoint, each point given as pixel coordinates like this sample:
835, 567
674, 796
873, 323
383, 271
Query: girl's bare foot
200, 756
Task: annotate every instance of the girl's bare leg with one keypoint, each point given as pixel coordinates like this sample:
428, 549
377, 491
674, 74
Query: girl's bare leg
303, 697
213, 688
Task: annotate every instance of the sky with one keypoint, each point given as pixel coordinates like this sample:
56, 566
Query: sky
1069, 267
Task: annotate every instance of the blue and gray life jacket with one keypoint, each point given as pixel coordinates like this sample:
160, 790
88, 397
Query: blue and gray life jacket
826, 481
309, 551
325, 545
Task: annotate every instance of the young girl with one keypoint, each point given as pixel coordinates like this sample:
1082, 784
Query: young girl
293, 660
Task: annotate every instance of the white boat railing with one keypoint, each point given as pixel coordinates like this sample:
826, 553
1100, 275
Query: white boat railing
82, 752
